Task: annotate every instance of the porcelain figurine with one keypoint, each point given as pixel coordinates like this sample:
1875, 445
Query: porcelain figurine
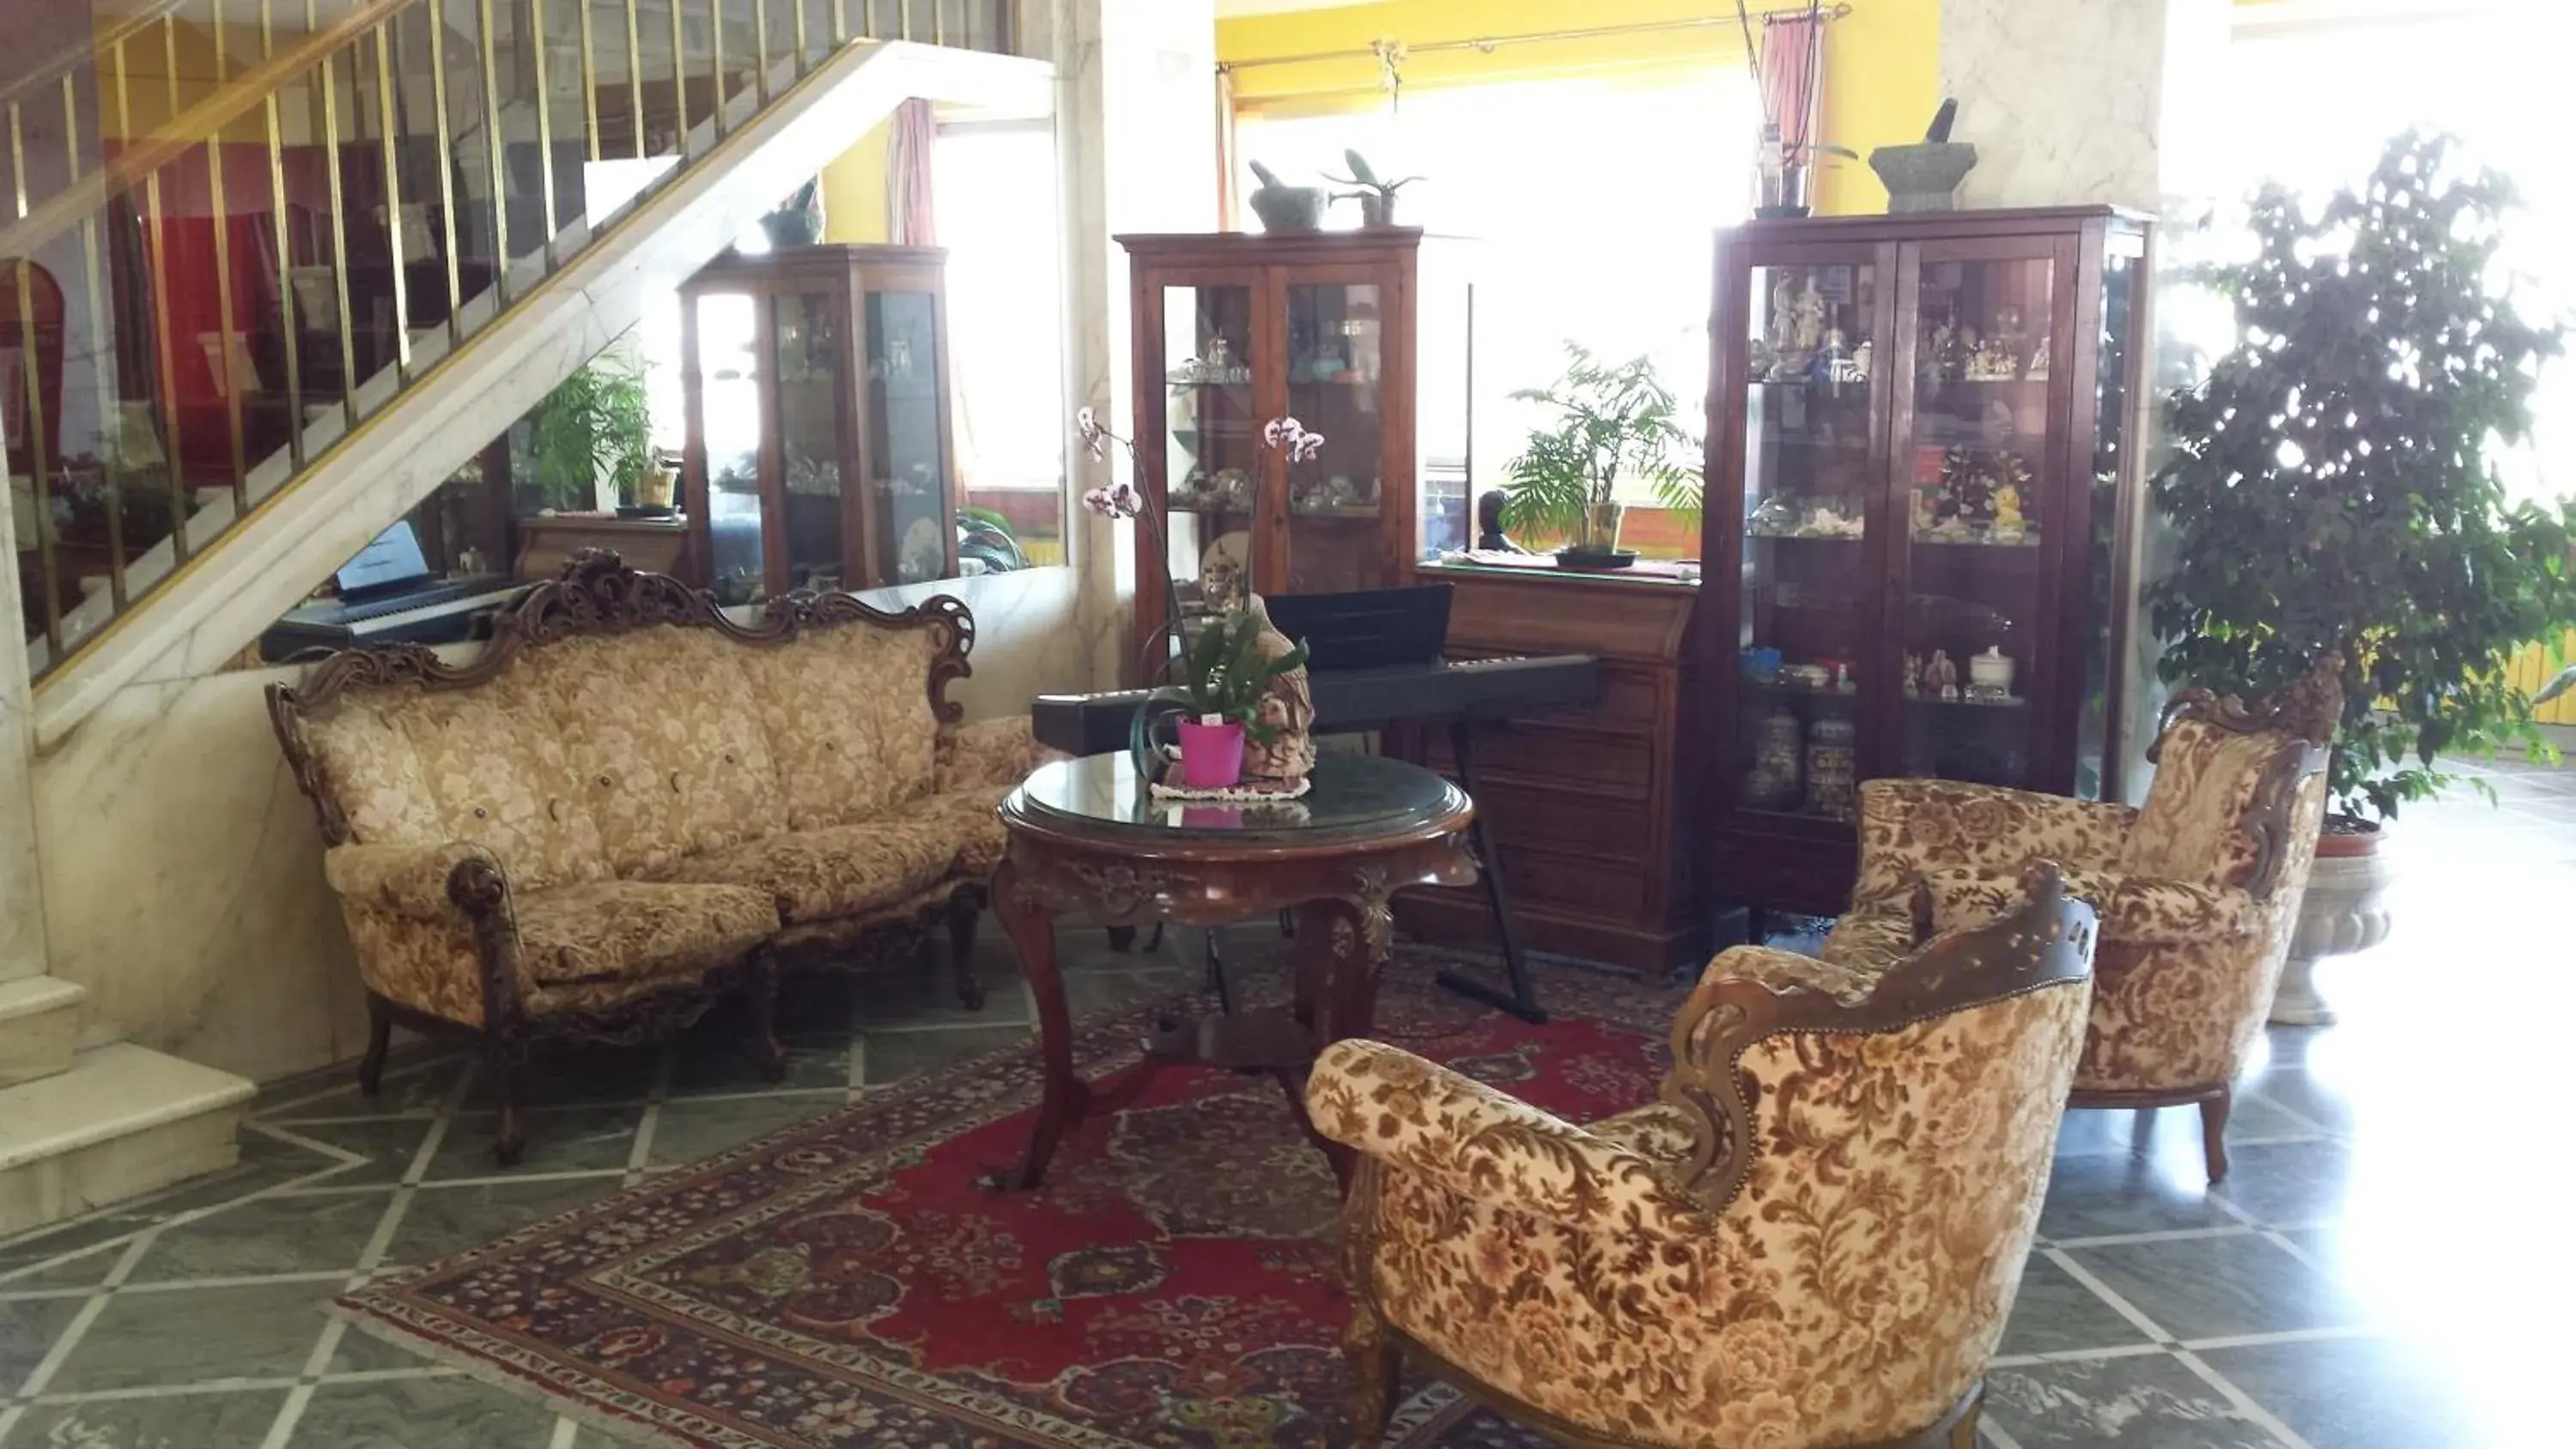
1288, 707
1913, 680
2008, 520
1940, 676
2038, 368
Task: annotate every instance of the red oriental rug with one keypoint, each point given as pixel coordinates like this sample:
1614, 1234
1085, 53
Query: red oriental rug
845, 1282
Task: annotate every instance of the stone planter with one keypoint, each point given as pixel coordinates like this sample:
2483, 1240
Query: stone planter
2345, 910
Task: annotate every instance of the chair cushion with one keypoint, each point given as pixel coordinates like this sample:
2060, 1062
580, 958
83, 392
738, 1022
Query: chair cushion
623, 930
848, 712
2192, 826
2134, 910
815, 875
667, 738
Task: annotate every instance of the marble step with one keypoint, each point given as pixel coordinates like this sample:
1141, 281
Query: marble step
122, 1121
39, 1026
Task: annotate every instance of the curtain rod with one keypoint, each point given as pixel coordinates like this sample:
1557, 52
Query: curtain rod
1489, 43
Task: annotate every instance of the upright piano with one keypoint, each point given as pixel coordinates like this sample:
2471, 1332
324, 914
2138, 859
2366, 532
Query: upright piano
387, 595
1374, 659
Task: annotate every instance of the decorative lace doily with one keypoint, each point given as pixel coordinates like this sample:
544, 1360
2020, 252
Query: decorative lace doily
1232, 794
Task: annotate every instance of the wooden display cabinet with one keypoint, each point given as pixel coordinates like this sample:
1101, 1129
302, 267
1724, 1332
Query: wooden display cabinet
1919, 449
1234, 331
818, 453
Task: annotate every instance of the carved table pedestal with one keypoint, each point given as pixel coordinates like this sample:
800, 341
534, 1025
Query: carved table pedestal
1087, 837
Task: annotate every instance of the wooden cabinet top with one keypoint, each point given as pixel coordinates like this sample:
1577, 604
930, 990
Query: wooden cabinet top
823, 261
1940, 225
1262, 248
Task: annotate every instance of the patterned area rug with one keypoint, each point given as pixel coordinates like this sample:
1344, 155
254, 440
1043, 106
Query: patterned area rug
846, 1283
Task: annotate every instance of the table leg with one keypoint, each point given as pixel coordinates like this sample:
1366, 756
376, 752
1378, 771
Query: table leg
1522, 1002
1064, 1098
1343, 951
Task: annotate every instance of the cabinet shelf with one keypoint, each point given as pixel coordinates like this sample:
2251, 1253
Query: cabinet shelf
1934, 701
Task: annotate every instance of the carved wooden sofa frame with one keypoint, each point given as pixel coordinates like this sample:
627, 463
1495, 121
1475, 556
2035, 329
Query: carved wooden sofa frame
598, 595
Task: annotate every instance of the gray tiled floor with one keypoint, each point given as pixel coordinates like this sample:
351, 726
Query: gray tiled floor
2381, 1269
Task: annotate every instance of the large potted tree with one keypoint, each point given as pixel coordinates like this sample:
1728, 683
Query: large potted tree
2333, 486
1611, 422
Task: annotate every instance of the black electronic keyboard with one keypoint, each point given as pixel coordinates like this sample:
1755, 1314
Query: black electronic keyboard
1349, 700
389, 596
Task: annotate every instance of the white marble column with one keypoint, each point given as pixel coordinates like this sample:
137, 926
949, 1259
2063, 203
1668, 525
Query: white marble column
1136, 107
2063, 100
22, 905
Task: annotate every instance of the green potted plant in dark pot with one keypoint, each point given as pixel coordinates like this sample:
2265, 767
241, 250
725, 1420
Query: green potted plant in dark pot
1610, 423
2334, 487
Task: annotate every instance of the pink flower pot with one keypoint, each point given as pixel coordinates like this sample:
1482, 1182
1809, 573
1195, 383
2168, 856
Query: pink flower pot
1211, 755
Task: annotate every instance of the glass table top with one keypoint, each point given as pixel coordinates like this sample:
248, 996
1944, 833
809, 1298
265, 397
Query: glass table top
1353, 796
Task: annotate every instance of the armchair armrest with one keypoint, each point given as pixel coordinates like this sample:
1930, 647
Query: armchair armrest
1483, 1145
418, 881
988, 752
1910, 826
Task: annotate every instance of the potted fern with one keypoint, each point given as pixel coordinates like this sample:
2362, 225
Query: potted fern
596, 426
2333, 488
1613, 422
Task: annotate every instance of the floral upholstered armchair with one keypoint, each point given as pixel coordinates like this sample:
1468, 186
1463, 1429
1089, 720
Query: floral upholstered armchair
2198, 891
1813, 1240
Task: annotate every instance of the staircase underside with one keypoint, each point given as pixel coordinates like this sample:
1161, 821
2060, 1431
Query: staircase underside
412, 436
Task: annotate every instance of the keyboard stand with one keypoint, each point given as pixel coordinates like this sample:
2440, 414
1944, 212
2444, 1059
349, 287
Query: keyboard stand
1522, 1001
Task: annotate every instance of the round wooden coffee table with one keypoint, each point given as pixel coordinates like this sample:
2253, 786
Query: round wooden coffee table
1088, 838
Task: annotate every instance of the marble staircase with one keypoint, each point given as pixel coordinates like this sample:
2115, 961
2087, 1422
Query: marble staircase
81, 1129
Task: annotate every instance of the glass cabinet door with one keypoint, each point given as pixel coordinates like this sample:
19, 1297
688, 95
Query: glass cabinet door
805, 333
1977, 471
1211, 443
733, 401
1336, 341
1809, 610
913, 534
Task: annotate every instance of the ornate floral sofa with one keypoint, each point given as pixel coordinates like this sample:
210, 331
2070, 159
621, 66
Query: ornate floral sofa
1814, 1240
628, 803
2198, 891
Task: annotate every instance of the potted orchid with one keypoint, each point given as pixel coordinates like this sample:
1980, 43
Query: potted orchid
1216, 682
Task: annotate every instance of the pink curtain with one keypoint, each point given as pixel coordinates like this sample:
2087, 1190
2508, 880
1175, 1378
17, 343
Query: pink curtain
909, 221
1793, 77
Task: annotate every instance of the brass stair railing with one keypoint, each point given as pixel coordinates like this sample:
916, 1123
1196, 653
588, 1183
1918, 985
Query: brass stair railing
237, 227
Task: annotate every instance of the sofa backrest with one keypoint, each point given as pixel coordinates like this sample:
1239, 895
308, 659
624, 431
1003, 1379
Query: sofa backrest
619, 720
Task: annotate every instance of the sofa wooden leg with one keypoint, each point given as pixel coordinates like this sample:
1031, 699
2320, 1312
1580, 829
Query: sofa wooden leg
1376, 1362
965, 912
507, 1063
2213, 1131
760, 993
380, 1037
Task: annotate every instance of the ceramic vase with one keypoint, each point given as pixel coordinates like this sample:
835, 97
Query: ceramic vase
1211, 754
1830, 784
2344, 909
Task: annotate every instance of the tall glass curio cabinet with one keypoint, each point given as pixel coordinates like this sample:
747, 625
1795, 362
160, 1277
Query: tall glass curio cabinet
818, 454
1234, 333
1922, 497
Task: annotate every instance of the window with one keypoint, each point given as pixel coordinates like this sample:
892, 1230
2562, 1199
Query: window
1592, 204
994, 187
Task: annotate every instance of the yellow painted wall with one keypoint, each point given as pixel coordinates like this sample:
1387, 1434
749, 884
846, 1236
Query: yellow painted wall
854, 191
1882, 61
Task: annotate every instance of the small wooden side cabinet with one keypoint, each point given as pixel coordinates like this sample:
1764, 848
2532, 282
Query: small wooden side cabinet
1922, 498
1588, 811
654, 545
1236, 331
818, 456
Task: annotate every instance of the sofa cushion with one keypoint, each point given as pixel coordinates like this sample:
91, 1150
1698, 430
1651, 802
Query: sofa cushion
624, 930
969, 817
667, 736
848, 714
844, 870
484, 765
2192, 826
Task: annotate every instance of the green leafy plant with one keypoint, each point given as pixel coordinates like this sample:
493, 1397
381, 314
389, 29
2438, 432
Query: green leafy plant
2333, 486
597, 423
1613, 422
1225, 674
986, 535
1377, 197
